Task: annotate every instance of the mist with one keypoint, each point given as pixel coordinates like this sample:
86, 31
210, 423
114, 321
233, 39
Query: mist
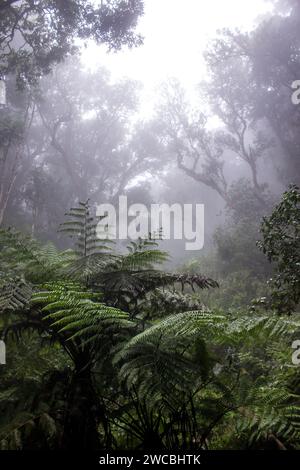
162, 105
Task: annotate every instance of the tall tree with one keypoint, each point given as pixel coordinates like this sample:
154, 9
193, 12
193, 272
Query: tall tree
84, 142
268, 62
34, 35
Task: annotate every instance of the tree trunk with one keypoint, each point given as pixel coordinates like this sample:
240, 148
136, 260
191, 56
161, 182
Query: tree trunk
83, 413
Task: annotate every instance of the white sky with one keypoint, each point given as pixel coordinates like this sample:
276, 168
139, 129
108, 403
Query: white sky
176, 33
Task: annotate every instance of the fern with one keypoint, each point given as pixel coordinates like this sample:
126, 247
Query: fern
163, 364
75, 311
27, 258
160, 357
82, 227
15, 295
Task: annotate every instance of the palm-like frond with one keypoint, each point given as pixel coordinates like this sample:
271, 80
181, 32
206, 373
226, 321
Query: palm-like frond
76, 312
82, 227
163, 364
15, 295
93, 253
161, 358
26, 257
260, 411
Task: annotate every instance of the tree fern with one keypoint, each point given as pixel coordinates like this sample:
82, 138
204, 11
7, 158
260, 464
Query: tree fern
15, 295
74, 311
163, 365
92, 251
24, 256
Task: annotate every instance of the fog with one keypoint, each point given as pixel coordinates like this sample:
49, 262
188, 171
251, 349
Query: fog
190, 109
164, 118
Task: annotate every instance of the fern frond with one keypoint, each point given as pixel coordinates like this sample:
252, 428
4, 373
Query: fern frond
82, 226
15, 296
75, 311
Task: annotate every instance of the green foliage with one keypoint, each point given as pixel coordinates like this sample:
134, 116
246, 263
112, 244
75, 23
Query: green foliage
105, 349
49, 31
74, 301
92, 252
200, 362
82, 226
147, 363
158, 360
30, 406
22, 255
15, 295
281, 244
71, 310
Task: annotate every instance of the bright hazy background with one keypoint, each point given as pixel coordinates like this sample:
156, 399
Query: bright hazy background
176, 33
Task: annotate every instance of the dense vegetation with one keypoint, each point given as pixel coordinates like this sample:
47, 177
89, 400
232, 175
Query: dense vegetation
119, 357
113, 347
